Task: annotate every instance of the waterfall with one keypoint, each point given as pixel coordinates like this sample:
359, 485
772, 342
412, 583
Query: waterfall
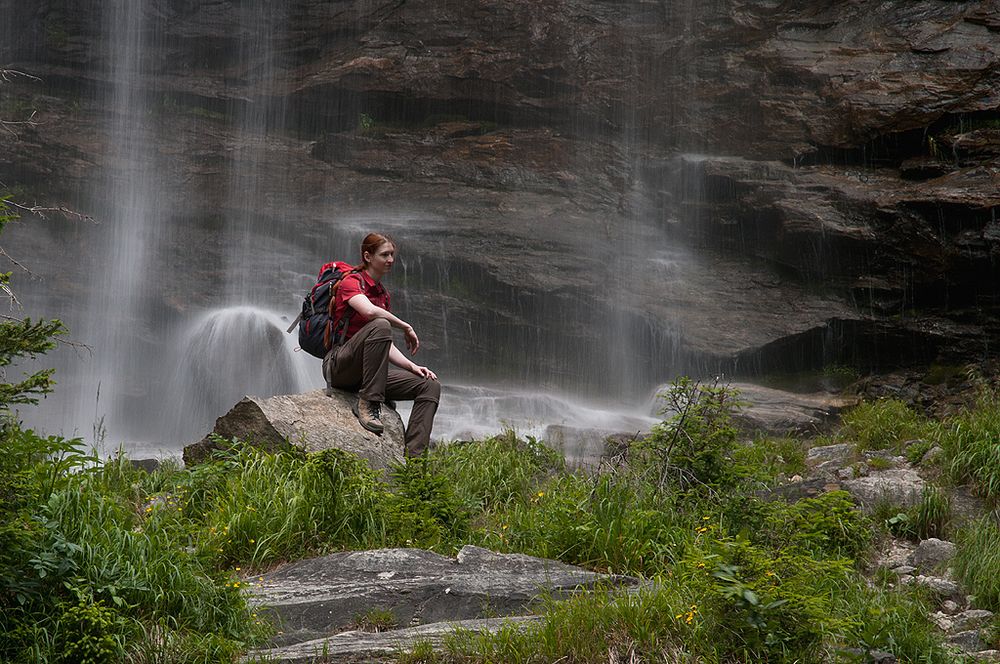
225, 354
209, 235
117, 325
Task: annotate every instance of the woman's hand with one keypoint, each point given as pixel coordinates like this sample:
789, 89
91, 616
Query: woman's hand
412, 341
424, 372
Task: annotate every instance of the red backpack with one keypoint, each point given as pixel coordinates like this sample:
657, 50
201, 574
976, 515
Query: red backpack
316, 325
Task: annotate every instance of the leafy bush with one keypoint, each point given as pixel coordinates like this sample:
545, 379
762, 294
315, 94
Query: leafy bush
694, 446
491, 474
829, 525
425, 511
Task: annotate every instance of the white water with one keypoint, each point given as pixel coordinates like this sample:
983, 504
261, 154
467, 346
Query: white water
228, 353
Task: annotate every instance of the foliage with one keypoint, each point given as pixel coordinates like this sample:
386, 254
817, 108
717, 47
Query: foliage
257, 508
495, 472
768, 459
827, 526
978, 559
112, 560
424, 511
694, 445
375, 620
883, 424
969, 443
932, 515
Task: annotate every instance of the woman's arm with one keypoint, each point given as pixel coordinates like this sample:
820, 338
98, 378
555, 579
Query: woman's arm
364, 306
396, 357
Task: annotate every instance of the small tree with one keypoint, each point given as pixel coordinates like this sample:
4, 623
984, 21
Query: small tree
21, 338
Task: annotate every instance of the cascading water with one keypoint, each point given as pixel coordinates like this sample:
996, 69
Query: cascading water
225, 354
116, 319
230, 351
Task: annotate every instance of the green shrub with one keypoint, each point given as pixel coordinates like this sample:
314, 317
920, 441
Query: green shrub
915, 452
260, 507
424, 510
882, 425
766, 460
693, 448
92, 633
607, 522
829, 526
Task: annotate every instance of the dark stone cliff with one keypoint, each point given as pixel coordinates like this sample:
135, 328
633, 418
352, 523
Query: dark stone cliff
750, 185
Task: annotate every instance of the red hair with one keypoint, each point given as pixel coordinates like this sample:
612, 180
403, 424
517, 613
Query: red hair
370, 245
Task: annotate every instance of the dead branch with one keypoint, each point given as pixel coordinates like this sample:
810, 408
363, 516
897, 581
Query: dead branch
8, 75
62, 209
15, 261
30, 122
14, 302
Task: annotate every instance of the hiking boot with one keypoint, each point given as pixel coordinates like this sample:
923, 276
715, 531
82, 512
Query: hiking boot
369, 414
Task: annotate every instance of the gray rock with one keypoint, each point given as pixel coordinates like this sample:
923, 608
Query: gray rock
887, 457
942, 589
312, 420
896, 555
781, 413
900, 487
932, 553
846, 474
950, 607
148, 465
830, 456
987, 656
931, 454
585, 447
315, 598
364, 646
967, 641
943, 621
903, 570
971, 619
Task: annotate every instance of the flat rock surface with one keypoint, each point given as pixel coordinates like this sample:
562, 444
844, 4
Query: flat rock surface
358, 646
311, 420
780, 412
313, 599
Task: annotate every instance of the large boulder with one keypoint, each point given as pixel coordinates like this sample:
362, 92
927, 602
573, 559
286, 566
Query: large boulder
311, 420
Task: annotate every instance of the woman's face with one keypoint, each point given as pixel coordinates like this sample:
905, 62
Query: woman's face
381, 261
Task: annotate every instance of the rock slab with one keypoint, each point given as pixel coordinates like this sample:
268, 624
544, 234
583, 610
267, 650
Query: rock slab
312, 420
319, 600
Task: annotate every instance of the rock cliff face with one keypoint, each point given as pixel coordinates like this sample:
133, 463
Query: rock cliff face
628, 189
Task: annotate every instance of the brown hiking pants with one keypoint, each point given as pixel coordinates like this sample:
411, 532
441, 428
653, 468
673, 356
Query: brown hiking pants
362, 364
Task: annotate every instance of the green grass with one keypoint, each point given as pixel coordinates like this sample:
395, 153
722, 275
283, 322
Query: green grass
118, 563
970, 442
978, 560
884, 424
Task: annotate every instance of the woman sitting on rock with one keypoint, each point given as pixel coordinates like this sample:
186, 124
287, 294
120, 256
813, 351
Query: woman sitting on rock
361, 360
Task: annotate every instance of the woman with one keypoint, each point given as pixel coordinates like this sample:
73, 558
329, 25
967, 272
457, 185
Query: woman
361, 360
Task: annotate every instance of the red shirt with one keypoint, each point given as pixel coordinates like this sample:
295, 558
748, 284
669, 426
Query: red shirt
358, 283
